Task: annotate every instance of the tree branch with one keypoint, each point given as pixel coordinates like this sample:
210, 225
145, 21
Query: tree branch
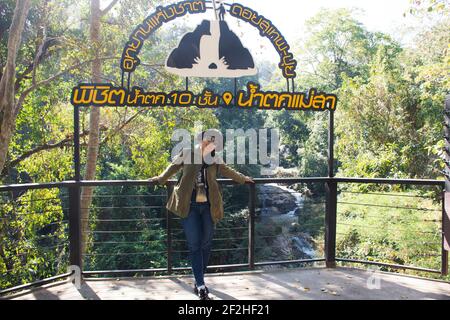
27, 91
42, 54
47, 146
109, 7
123, 125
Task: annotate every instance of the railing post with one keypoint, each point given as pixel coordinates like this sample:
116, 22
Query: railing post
169, 232
446, 198
75, 258
75, 226
251, 226
445, 232
330, 224
331, 201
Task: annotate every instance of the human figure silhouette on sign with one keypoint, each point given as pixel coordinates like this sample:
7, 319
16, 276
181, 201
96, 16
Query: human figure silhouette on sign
222, 12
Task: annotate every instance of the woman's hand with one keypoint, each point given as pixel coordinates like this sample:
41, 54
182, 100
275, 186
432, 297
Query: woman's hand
249, 180
154, 179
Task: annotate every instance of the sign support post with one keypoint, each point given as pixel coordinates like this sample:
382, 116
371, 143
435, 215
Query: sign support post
446, 198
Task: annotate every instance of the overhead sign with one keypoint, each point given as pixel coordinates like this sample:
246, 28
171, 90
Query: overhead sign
210, 50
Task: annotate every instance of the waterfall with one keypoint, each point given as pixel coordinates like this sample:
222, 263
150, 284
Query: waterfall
282, 205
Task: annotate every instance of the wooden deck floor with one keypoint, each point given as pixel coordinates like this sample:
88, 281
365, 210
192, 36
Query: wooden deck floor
311, 283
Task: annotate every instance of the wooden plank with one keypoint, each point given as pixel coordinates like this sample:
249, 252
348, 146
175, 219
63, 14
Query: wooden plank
297, 284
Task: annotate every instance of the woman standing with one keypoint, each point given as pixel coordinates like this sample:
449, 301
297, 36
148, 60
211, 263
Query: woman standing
197, 200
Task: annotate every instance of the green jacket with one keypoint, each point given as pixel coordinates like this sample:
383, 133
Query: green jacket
180, 200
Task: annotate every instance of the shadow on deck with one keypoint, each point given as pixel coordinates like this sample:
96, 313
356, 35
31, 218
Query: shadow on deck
299, 284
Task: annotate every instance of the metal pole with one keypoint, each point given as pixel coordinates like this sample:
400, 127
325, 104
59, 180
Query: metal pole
446, 196
331, 145
251, 227
169, 232
215, 9
330, 224
76, 142
331, 201
235, 91
75, 197
445, 224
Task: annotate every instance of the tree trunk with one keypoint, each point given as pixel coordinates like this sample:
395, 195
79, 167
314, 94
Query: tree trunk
94, 132
7, 93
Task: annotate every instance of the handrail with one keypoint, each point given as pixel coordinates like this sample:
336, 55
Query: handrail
99, 183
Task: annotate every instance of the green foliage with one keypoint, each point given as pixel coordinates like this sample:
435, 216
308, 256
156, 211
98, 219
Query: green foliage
33, 235
389, 125
412, 236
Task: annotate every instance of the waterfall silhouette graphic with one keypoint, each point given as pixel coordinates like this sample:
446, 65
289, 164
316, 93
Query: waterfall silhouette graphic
211, 50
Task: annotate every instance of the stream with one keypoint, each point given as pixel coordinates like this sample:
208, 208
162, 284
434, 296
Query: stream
281, 206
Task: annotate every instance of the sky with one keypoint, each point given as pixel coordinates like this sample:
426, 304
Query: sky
290, 17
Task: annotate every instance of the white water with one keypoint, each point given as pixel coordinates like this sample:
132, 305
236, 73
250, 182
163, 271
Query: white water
286, 219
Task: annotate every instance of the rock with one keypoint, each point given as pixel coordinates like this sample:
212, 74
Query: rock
273, 195
272, 210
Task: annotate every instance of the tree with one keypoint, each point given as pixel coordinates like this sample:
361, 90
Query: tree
390, 124
9, 107
426, 6
336, 49
94, 120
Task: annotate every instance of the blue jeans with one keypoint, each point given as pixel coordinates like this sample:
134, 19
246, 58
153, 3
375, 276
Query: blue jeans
199, 230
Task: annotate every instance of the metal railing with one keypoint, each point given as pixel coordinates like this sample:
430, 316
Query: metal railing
149, 222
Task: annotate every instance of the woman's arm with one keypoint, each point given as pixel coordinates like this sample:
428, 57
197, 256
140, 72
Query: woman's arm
230, 173
171, 169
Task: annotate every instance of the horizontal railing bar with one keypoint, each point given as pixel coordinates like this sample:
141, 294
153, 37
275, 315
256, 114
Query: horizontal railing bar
387, 226
220, 266
126, 195
390, 265
108, 183
35, 283
436, 242
39, 248
388, 194
268, 263
27, 186
128, 242
289, 180
394, 215
429, 182
125, 208
98, 272
121, 254
123, 220
115, 231
230, 228
222, 181
387, 206
20, 201
227, 266
213, 250
214, 239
